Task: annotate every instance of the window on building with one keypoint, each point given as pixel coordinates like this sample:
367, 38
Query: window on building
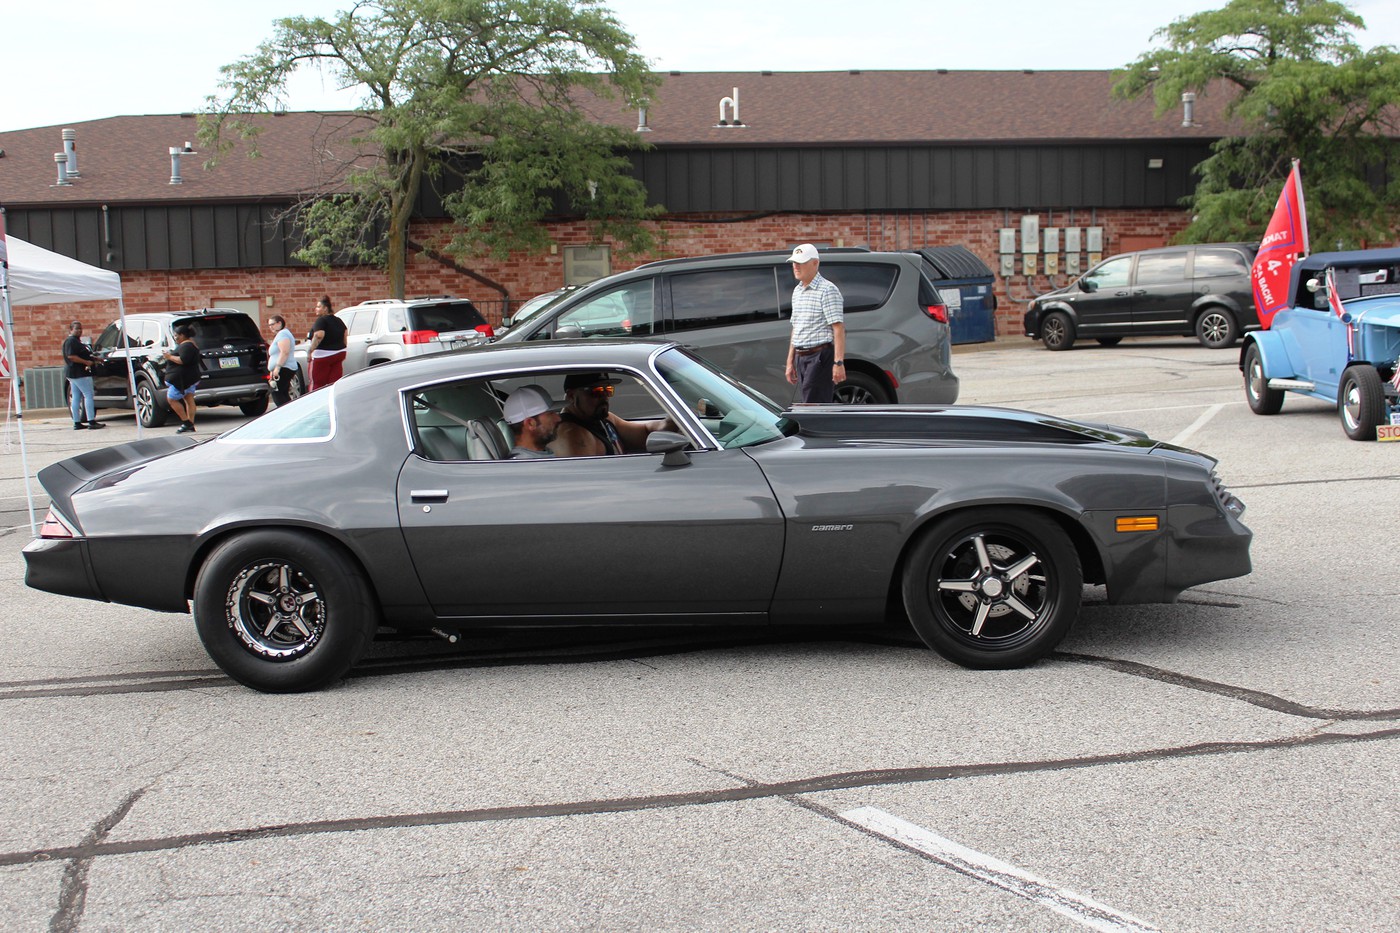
584, 264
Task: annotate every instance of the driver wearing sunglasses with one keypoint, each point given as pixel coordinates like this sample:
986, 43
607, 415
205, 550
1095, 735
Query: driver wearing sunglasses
588, 429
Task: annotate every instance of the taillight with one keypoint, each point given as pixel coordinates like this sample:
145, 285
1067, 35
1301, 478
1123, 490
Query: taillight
419, 336
938, 312
487, 330
53, 527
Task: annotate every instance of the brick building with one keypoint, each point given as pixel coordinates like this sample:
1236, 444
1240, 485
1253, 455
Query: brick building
993, 161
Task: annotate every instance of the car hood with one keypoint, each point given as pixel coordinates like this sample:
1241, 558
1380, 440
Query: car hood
1071, 288
970, 423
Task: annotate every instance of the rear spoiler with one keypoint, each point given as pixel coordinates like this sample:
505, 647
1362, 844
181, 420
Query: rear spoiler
66, 477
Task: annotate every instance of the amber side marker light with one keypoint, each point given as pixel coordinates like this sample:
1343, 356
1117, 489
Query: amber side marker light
1136, 523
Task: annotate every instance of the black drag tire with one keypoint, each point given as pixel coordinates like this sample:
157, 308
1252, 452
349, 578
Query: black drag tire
1057, 331
255, 407
1262, 399
150, 410
1361, 402
1109, 341
993, 588
860, 389
1217, 329
282, 612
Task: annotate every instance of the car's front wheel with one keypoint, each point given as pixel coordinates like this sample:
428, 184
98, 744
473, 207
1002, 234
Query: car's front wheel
860, 389
1262, 399
150, 410
1216, 328
1361, 402
993, 588
255, 407
297, 388
1057, 331
281, 611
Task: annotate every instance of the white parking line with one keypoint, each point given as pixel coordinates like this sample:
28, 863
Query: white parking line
1209, 413
995, 872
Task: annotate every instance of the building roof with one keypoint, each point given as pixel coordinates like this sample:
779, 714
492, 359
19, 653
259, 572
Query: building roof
125, 159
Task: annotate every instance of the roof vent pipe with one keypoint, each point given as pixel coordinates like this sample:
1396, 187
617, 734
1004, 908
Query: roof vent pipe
70, 148
732, 104
175, 153
642, 120
1188, 108
61, 160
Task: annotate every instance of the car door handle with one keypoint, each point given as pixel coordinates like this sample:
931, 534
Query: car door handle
428, 495
1139, 292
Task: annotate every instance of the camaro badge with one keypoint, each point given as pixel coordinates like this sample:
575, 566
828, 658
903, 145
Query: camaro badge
833, 527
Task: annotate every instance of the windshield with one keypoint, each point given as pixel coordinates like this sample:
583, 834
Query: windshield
735, 414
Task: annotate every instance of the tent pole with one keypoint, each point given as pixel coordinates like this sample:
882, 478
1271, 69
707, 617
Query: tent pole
130, 373
7, 322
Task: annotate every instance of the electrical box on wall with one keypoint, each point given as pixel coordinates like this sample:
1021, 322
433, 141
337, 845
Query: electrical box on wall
1008, 240
1095, 239
1028, 264
1030, 233
1071, 263
1052, 250
1072, 240
1008, 265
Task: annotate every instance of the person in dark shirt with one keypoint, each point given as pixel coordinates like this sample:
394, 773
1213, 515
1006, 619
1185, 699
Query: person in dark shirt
589, 429
77, 369
182, 377
326, 352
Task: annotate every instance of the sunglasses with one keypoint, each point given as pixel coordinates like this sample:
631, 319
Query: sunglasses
601, 391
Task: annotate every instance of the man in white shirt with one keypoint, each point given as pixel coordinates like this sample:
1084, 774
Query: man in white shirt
816, 354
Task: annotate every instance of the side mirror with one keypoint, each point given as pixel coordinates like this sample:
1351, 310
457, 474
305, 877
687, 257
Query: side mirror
569, 330
671, 444
1314, 285
1086, 285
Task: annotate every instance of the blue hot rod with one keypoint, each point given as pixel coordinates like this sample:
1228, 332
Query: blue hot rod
1345, 352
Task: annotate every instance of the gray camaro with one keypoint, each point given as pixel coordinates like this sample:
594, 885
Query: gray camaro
389, 499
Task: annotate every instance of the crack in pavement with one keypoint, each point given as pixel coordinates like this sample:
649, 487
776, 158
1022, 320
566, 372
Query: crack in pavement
72, 895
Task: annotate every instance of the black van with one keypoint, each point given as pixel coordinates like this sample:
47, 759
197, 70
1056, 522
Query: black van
1202, 290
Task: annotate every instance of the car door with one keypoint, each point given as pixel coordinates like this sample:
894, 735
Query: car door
1104, 302
617, 538
1162, 293
732, 318
359, 334
109, 377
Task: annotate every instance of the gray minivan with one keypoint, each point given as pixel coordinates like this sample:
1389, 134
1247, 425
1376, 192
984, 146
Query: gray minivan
734, 309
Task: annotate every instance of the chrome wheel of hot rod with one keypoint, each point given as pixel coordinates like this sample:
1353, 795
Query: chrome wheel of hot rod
281, 611
994, 588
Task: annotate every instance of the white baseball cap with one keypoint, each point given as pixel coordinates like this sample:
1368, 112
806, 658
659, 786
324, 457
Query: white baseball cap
804, 253
528, 401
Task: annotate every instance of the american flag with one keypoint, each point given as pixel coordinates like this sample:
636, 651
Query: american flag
1395, 379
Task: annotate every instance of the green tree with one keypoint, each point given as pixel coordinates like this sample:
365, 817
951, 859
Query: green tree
1302, 88
493, 91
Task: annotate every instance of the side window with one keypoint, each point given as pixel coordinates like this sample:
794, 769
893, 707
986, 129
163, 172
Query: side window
1161, 268
1212, 262
723, 297
626, 311
864, 286
396, 322
360, 322
107, 340
1110, 274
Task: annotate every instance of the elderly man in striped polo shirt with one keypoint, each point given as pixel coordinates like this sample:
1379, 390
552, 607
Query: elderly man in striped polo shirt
816, 353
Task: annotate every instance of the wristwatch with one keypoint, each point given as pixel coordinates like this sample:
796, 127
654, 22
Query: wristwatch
838, 362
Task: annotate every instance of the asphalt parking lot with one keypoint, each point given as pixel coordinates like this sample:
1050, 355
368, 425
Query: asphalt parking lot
1224, 763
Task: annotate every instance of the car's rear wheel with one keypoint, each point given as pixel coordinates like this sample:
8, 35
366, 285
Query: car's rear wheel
993, 588
1057, 331
1361, 402
151, 412
281, 611
1262, 399
860, 389
297, 388
1216, 328
1109, 341
255, 407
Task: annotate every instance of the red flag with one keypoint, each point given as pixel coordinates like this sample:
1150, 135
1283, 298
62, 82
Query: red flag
5, 287
1334, 302
1286, 238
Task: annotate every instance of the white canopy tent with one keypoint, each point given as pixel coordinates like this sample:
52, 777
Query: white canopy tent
35, 276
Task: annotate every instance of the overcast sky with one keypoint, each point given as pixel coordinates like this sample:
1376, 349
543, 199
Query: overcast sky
62, 63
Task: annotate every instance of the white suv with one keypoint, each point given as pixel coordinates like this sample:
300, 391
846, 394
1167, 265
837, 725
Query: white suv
388, 329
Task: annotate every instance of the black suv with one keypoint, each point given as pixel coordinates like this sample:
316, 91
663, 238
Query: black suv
233, 362
1203, 290
735, 310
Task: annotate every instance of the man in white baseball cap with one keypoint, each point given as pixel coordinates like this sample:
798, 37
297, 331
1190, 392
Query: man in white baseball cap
816, 358
534, 417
